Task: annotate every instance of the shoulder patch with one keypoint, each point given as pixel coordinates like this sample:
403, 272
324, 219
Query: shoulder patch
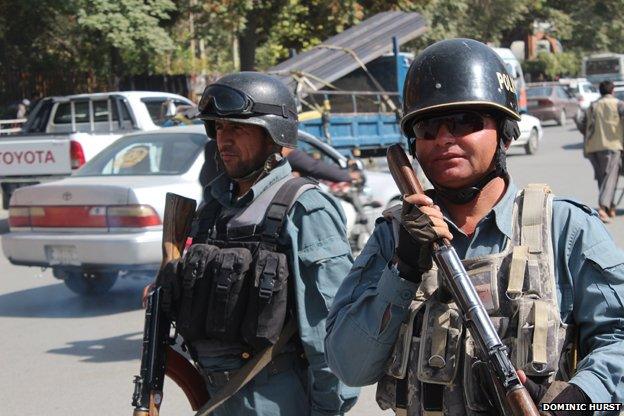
575, 203
389, 214
312, 200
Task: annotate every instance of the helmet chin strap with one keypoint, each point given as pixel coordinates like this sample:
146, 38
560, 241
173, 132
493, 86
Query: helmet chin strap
265, 167
468, 193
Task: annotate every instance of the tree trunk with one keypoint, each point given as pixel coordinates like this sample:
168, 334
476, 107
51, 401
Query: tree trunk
116, 69
248, 41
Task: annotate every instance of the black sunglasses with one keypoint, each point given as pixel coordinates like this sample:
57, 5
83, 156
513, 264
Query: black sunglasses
458, 124
222, 100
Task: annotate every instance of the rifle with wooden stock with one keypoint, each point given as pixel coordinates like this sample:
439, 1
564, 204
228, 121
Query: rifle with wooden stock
510, 391
158, 358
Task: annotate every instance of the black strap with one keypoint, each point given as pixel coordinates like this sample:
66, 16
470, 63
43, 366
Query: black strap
205, 219
432, 397
280, 205
401, 392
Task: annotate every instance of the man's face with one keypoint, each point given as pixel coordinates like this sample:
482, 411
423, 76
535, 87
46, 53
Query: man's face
243, 148
456, 160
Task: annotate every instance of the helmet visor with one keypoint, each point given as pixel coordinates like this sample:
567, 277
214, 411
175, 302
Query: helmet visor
458, 124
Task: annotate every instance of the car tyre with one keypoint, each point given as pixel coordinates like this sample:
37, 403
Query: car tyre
562, 118
532, 144
89, 283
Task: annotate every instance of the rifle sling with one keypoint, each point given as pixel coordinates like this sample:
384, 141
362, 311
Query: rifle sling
187, 377
249, 370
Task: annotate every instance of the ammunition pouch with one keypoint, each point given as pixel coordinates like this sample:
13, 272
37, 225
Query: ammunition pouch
265, 313
195, 282
233, 286
440, 346
228, 295
540, 334
231, 294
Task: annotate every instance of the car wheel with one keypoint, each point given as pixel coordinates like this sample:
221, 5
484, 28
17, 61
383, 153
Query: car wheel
562, 118
89, 283
532, 144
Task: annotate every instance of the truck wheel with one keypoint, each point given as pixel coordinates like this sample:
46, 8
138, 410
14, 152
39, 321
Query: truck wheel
532, 144
88, 283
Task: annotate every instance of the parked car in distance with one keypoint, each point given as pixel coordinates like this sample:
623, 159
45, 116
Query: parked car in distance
106, 219
551, 101
531, 134
582, 89
62, 133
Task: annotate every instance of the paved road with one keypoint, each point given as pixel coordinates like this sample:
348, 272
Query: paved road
64, 355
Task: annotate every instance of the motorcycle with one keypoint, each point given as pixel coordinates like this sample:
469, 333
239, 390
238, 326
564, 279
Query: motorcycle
360, 211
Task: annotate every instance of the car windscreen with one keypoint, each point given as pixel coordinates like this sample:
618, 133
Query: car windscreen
162, 109
602, 66
619, 94
539, 91
319, 150
164, 153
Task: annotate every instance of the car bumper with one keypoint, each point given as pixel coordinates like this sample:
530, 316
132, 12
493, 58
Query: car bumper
550, 113
130, 250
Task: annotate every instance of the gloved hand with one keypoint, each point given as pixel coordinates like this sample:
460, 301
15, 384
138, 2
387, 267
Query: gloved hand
422, 224
556, 392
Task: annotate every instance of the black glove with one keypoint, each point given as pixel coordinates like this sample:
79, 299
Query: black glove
414, 252
570, 394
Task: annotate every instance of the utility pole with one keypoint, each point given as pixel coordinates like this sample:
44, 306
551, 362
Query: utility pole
193, 3
236, 49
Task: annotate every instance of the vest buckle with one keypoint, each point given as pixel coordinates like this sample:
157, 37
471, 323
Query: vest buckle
225, 274
267, 279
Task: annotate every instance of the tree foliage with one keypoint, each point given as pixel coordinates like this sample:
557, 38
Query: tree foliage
92, 43
125, 35
549, 66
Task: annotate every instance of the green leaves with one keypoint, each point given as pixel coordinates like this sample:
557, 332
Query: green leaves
108, 39
129, 31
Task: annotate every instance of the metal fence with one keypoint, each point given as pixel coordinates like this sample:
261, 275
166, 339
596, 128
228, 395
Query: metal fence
17, 85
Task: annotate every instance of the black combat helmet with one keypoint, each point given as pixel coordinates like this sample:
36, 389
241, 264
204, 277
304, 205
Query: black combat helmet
462, 74
457, 74
251, 98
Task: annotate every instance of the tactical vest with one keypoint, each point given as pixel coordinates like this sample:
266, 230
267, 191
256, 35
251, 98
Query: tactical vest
234, 282
606, 128
433, 369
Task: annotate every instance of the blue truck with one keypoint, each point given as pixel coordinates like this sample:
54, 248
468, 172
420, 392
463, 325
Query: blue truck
349, 87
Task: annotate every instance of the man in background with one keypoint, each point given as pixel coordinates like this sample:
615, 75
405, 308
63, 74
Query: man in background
604, 133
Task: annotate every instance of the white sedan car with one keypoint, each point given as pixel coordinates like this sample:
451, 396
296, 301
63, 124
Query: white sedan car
530, 134
105, 220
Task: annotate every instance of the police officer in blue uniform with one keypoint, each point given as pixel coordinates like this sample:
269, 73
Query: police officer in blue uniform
550, 275
251, 116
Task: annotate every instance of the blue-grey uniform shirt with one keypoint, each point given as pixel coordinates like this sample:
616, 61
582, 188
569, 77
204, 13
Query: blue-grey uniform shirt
589, 269
321, 258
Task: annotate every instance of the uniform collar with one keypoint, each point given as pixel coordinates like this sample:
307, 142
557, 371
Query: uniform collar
504, 208
502, 212
221, 188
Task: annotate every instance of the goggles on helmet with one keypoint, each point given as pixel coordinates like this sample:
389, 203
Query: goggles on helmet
458, 124
222, 100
